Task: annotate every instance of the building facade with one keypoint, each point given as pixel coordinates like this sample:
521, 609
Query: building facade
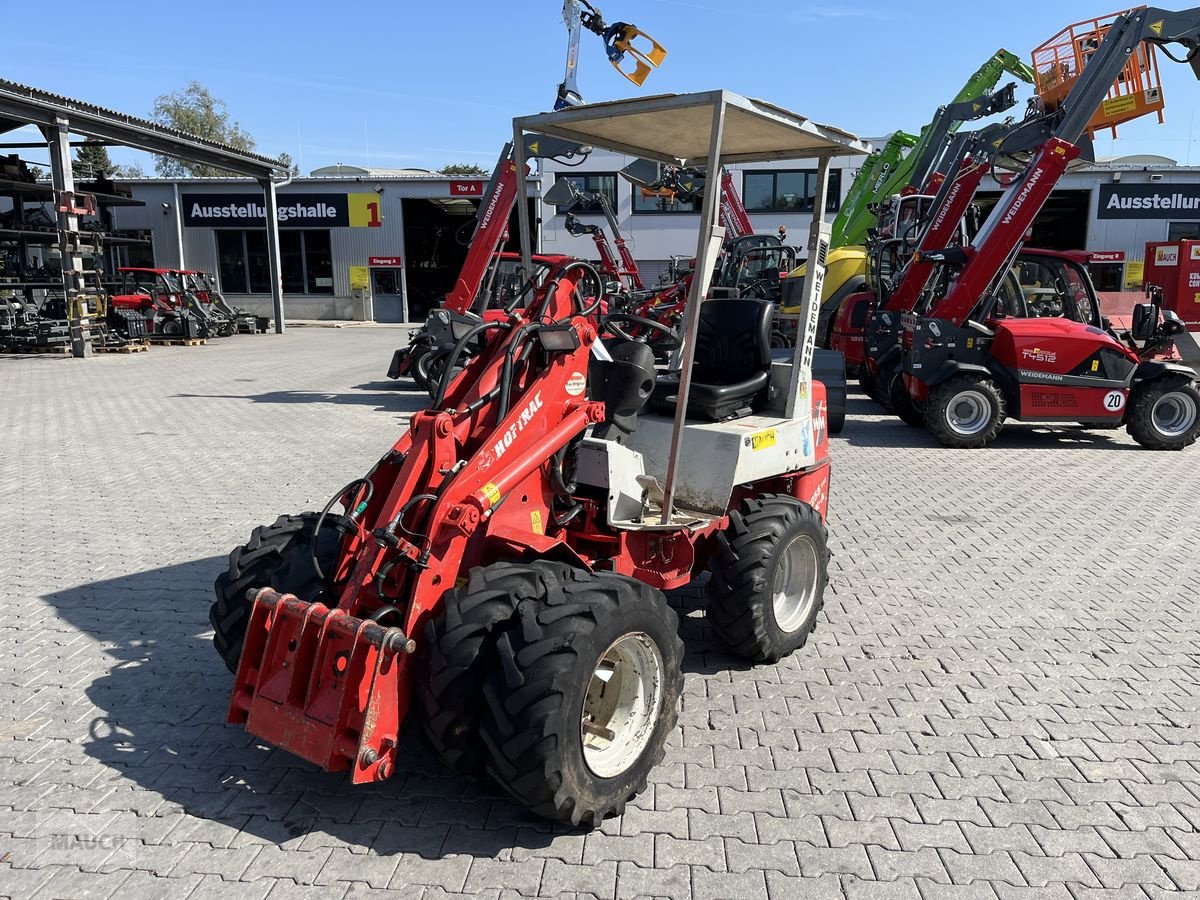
386, 245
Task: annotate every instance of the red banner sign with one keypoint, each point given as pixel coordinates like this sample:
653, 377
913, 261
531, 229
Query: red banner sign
1108, 256
384, 261
466, 189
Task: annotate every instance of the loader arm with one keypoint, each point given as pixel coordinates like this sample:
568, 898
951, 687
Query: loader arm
1054, 142
913, 173
491, 227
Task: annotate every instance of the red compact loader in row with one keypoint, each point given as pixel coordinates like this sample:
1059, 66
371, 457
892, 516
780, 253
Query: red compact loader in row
502, 566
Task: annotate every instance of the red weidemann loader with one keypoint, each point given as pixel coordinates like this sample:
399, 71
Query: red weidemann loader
502, 566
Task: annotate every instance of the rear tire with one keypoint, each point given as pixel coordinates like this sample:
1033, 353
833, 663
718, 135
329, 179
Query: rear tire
278, 556
768, 581
966, 412
1164, 414
598, 652
461, 651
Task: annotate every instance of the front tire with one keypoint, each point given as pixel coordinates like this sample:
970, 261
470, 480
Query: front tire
586, 692
768, 579
1164, 414
461, 651
966, 412
278, 556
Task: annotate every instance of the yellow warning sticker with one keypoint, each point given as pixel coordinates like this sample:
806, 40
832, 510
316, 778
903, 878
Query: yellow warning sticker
1157, 27
535, 522
1095, 365
492, 493
760, 440
1118, 106
970, 343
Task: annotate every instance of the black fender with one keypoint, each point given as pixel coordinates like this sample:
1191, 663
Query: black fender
1156, 368
889, 356
829, 309
399, 358
952, 367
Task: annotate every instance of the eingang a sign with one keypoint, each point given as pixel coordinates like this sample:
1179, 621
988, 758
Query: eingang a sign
1149, 201
249, 211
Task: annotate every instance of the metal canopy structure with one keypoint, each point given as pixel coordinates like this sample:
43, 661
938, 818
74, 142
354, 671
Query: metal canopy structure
705, 129
676, 129
58, 117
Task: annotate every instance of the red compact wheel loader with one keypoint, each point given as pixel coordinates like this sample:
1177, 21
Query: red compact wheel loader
968, 365
502, 566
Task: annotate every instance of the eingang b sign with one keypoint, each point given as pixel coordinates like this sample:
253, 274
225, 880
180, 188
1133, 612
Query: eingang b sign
249, 211
1149, 201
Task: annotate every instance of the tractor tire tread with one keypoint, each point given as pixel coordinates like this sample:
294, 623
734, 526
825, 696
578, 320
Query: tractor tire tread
524, 696
1140, 417
738, 576
460, 651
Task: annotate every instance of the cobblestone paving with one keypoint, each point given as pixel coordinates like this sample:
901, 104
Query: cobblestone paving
1002, 700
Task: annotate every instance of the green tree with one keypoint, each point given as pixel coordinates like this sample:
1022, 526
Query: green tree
196, 111
286, 159
92, 161
462, 169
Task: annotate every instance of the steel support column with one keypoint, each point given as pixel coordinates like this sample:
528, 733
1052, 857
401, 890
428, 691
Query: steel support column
62, 178
274, 262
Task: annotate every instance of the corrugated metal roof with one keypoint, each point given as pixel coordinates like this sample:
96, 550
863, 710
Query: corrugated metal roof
24, 91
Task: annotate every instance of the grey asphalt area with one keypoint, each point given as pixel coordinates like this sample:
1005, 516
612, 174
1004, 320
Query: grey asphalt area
1002, 699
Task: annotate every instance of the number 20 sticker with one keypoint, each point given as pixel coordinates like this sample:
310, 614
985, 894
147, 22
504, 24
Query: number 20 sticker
1114, 400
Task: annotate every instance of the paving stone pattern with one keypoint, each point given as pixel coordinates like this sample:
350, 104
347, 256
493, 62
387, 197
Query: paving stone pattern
1001, 701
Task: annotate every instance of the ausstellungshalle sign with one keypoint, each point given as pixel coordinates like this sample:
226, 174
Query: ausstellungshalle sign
248, 211
1149, 201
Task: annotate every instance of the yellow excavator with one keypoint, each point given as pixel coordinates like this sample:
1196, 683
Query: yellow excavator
882, 178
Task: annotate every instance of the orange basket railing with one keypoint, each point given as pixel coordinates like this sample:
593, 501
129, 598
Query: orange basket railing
1060, 61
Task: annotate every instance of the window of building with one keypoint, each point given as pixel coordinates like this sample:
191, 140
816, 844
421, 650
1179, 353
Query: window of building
1183, 231
792, 190
306, 259
666, 202
594, 183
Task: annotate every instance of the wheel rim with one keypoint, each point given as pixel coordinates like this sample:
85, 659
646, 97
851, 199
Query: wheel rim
1174, 414
622, 704
794, 592
968, 413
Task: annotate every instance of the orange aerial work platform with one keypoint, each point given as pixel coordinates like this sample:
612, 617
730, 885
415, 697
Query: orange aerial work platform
1136, 92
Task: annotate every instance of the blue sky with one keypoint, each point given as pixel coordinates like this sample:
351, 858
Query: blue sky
406, 83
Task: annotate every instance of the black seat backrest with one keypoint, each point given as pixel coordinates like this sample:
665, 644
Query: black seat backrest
623, 383
733, 341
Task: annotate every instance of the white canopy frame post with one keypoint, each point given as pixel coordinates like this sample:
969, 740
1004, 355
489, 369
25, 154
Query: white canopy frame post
707, 244
819, 233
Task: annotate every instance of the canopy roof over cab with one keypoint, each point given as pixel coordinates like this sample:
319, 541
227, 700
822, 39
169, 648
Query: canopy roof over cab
677, 129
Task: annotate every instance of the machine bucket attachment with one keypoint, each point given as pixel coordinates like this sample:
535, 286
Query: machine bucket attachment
322, 684
646, 52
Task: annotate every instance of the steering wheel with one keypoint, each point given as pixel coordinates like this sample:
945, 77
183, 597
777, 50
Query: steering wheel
669, 340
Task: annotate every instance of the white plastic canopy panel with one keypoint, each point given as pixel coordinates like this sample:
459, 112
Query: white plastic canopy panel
677, 129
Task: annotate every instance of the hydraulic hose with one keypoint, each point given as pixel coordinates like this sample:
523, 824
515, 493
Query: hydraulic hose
452, 360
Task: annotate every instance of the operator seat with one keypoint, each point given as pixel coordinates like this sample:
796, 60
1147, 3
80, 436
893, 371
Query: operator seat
731, 372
